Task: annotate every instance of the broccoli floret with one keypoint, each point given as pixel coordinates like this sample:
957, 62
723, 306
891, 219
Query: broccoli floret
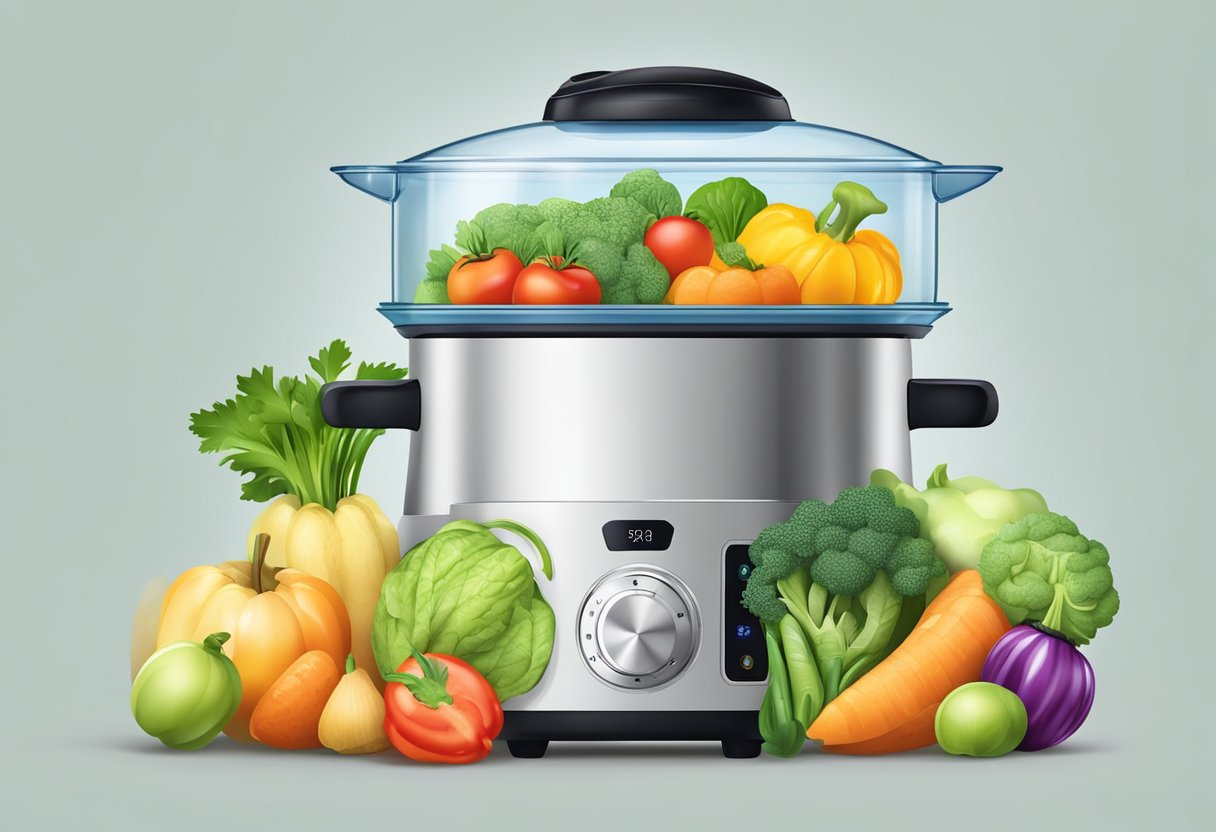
557, 207
841, 572
760, 593
615, 294
500, 226
646, 274
605, 260
432, 291
733, 254
651, 191
1041, 568
793, 535
864, 531
853, 574
913, 566
643, 279
619, 221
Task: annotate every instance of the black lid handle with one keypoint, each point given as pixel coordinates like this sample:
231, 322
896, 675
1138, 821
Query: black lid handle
372, 404
950, 403
665, 93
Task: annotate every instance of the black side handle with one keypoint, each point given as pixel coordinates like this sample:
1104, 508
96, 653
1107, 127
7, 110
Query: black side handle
666, 93
950, 403
372, 404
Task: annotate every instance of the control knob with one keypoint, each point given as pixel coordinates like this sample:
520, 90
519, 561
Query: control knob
638, 628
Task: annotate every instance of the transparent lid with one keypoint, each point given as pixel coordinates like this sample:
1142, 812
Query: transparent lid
643, 143
673, 142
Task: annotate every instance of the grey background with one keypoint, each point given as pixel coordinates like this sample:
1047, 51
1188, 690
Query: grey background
167, 220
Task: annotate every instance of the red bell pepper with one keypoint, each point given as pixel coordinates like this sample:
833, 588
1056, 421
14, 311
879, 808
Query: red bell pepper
447, 713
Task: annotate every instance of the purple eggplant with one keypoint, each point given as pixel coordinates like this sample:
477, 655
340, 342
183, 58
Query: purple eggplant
1051, 677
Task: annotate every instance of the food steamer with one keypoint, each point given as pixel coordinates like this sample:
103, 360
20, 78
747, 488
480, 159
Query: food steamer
647, 445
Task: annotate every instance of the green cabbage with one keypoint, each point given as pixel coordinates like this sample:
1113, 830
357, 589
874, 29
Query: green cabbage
960, 516
464, 593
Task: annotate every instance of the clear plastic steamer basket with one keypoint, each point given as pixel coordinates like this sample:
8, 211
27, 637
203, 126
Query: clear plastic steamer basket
692, 126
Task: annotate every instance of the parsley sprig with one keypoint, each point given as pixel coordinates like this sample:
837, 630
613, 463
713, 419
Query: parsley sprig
274, 431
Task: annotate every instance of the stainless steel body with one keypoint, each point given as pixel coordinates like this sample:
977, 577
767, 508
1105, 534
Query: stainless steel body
719, 437
600, 419
695, 558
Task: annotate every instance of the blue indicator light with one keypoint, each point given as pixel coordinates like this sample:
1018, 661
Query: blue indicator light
743, 631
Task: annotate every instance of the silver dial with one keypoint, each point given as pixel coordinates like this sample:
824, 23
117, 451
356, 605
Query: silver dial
638, 627
637, 633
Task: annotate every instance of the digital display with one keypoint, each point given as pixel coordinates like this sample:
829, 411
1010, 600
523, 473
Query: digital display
638, 535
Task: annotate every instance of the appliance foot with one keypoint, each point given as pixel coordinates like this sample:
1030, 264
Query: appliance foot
738, 749
534, 749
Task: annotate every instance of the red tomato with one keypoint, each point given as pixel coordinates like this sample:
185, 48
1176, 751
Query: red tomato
487, 279
680, 243
542, 283
438, 709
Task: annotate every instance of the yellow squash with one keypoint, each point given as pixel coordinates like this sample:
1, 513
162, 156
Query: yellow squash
351, 548
832, 261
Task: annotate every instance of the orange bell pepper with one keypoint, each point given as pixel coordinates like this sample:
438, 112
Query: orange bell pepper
743, 284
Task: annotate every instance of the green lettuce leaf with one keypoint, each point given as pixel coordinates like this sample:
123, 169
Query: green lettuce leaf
725, 206
465, 593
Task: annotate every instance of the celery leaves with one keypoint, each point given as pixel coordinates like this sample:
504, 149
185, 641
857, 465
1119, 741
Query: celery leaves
273, 430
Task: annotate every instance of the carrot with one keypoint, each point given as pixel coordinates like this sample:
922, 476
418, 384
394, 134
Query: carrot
289, 713
891, 708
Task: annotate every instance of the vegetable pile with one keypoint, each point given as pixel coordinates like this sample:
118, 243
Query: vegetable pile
277, 680
893, 707
835, 585
641, 244
868, 654
274, 617
255, 648
893, 617
273, 430
601, 239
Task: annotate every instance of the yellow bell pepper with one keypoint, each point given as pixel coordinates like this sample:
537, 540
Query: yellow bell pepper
832, 261
782, 234
351, 548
